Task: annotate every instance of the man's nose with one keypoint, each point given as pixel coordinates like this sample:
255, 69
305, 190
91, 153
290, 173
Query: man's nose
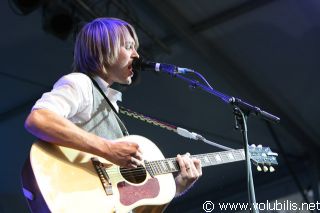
135, 53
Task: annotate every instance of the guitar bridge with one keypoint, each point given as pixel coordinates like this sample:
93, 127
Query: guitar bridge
103, 176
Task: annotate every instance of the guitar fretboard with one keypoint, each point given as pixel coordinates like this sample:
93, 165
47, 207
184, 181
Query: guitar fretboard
170, 165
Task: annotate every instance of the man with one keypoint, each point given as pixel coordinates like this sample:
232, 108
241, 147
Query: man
81, 110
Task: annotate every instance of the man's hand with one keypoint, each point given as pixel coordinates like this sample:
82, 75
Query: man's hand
190, 171
124, 154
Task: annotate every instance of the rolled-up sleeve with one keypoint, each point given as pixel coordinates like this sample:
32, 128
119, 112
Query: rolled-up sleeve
70, 95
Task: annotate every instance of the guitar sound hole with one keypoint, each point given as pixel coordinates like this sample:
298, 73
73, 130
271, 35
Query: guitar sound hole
136, 175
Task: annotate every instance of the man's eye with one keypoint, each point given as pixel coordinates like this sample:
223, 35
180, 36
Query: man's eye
129, 46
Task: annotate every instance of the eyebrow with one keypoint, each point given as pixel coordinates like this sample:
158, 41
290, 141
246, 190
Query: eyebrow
131, 42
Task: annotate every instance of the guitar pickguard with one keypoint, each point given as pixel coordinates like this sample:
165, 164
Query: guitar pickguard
130, 194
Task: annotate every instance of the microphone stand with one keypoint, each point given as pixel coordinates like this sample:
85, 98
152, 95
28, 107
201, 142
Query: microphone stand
241, 112
241, 123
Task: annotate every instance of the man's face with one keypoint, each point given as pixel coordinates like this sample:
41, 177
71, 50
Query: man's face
121, 71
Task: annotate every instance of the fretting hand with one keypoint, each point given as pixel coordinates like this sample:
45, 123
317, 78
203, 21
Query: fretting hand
190, 171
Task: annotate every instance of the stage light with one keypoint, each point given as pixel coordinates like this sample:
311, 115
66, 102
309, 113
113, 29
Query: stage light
26, 6
58, 21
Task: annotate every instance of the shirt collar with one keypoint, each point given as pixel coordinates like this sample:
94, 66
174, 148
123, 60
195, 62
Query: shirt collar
112, 94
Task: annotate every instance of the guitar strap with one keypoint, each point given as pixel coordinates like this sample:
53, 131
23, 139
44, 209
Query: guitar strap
147, 119
130, 113
122, 126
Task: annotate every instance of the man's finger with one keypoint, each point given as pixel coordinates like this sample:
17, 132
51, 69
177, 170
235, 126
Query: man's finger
135, 161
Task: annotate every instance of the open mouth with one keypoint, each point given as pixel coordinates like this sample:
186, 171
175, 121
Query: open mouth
130, 70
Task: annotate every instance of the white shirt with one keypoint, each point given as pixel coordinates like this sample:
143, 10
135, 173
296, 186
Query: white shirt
72, 98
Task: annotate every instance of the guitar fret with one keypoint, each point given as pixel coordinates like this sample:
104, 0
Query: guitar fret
201, 158
158, 167
155, 167
162, 169
171, 165
206, 160
224, 157
149, 168
242, 153
212, 159
175, 164
218, 158
167, 166
163, 166
237, 155
230, 156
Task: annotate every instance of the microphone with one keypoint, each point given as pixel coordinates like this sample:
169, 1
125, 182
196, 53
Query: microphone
141, 64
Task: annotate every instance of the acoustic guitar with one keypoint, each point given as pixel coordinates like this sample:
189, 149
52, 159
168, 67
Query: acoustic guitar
60, 179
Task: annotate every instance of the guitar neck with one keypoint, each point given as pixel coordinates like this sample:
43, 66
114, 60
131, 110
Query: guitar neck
170, 165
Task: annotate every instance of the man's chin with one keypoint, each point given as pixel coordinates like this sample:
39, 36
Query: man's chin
128, 81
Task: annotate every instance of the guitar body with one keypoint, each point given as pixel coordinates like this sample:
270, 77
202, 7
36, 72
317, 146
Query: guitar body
69, 182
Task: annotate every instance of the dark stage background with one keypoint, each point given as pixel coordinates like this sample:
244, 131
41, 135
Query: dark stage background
265, 52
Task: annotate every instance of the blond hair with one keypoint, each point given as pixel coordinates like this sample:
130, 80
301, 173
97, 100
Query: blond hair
98, 44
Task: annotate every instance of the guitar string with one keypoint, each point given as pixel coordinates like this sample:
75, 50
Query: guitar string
130, 171
205, 161
200, 156
141, 170
137, 172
